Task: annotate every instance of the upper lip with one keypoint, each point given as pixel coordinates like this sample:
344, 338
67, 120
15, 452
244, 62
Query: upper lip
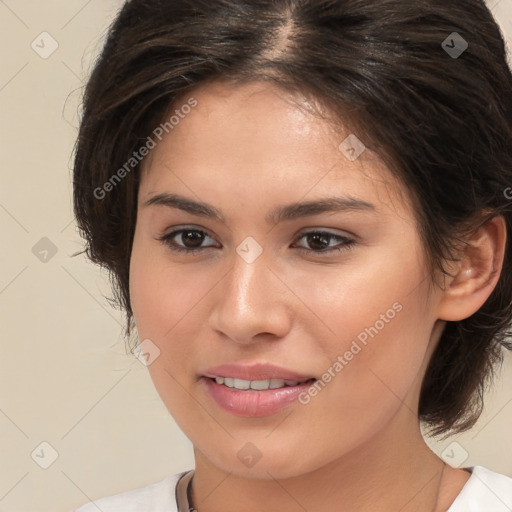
257, 371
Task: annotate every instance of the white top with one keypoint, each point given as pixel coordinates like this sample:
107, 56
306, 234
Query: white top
485, 491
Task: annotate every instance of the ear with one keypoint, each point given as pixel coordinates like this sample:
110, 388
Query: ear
474, 277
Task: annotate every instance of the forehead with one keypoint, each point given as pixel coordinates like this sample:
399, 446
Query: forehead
258, 140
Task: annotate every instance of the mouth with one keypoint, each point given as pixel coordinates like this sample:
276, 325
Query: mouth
256, 389
258, 385
255, 398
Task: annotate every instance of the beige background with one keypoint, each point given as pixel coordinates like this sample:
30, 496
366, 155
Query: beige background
65, 377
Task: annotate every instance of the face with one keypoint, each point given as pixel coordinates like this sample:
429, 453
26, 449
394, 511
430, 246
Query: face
333, 291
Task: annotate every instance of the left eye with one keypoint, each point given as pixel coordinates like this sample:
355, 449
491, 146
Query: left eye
321, 239
193, 238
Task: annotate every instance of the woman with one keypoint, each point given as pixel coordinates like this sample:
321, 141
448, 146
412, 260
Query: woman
303, 206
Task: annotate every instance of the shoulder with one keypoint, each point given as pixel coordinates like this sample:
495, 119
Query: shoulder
157, 497
485, 491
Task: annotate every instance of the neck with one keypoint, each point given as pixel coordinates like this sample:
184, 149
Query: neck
393, 471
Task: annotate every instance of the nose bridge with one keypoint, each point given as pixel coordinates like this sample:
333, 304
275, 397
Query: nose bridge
249, 301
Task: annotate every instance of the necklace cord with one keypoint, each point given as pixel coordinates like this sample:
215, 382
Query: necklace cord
184, 495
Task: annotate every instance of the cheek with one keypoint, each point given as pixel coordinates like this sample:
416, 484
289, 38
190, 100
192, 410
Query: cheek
382, 359
380, 330
143, 294
160, 305
160, 296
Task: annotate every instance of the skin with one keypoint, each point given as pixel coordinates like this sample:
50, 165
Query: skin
357, 445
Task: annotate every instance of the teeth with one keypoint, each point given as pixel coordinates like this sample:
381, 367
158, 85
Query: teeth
274, 383
241, 384
259, 385
267, 384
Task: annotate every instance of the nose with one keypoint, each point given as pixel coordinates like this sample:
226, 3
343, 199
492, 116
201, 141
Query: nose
251, 302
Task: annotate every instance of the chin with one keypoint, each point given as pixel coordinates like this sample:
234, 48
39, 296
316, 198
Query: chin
265, 464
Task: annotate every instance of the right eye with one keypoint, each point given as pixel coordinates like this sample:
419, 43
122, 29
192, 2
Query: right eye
190, 238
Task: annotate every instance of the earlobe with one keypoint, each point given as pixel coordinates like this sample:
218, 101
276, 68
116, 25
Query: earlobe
476, 273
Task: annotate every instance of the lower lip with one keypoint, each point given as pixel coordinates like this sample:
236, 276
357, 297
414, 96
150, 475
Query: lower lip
252, 403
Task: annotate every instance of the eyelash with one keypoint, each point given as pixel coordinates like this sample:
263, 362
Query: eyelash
167, 240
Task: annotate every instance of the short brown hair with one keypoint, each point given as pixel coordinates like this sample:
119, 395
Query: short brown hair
441, 121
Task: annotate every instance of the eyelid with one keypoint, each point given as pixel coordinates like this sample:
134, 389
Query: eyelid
175, 229
329, 231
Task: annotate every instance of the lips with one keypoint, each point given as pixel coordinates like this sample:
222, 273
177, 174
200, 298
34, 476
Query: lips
255, 372
255, 390
253, 403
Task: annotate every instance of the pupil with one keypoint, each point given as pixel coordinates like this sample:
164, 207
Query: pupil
195, 235
323, 237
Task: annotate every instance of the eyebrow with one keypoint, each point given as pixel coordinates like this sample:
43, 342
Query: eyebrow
278, 214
